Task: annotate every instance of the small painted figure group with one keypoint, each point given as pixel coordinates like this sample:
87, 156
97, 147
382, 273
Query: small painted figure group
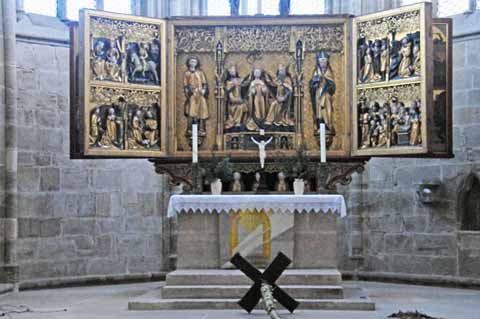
389, 124
107, 127
382, 59
115, 60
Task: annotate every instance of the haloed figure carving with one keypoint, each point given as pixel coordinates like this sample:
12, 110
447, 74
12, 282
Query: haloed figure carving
196, 93
95, 127
258, 97
405, 69
279, 110
322, 89
237, 108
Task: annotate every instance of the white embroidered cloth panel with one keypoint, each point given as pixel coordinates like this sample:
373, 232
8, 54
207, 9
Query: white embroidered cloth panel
276, 203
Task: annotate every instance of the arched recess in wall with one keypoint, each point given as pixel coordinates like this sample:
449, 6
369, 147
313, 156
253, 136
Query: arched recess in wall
469, 203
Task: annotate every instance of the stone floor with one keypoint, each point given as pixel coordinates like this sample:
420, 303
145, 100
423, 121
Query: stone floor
110, 302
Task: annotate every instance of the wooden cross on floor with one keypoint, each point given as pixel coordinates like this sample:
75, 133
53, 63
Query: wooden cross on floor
269, 276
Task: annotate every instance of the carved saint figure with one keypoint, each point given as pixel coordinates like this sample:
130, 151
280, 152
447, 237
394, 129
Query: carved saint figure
236, 106
137, 139
279, 110
196, 93
322, 89
382, 133
384, 60
256, 184
262, 154
122, 48
405, 67
237, 182
415, 136
112, 65
416, 59
281, 183
99, 60
95, 122
143, 55
364, 124
377, 57
151, 127
111, 134
367, 74
258, 97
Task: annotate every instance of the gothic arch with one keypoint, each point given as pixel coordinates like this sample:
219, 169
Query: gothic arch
469, 203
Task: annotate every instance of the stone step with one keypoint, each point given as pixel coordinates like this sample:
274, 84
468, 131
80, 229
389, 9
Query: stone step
237, 291
306, 304
236, 277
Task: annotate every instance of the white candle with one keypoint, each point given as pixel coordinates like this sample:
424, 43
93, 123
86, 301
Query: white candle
323, 148
194, 143
259, 6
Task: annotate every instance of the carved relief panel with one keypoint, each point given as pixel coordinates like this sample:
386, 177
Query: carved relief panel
122, 96
391, 76
244, 80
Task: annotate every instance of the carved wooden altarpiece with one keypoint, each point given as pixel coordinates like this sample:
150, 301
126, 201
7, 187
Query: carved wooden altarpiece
138, 84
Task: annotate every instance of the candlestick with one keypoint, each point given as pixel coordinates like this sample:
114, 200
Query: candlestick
194, 143
323, 148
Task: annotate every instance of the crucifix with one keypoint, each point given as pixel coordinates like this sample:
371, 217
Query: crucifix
262, 154
264, 284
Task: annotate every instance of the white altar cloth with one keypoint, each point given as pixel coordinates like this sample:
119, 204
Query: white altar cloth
277, 203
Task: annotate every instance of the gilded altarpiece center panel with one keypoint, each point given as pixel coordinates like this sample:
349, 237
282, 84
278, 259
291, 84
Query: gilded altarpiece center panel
123, 69
242, 83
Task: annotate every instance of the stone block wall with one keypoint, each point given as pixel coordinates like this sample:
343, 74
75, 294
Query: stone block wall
76, 217
389, 229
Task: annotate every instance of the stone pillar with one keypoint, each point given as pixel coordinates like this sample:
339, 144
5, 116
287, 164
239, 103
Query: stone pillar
10, 268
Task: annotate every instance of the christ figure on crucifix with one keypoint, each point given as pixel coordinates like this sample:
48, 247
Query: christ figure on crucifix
261, 150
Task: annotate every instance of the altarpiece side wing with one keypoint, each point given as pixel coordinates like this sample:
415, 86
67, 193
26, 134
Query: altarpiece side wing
392, 82
121, 110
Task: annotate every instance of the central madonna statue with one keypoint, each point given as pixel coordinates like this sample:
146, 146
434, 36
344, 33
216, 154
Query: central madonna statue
258, 101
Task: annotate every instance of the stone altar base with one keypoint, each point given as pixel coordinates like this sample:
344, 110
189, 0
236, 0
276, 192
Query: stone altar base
199, 283
315, 289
